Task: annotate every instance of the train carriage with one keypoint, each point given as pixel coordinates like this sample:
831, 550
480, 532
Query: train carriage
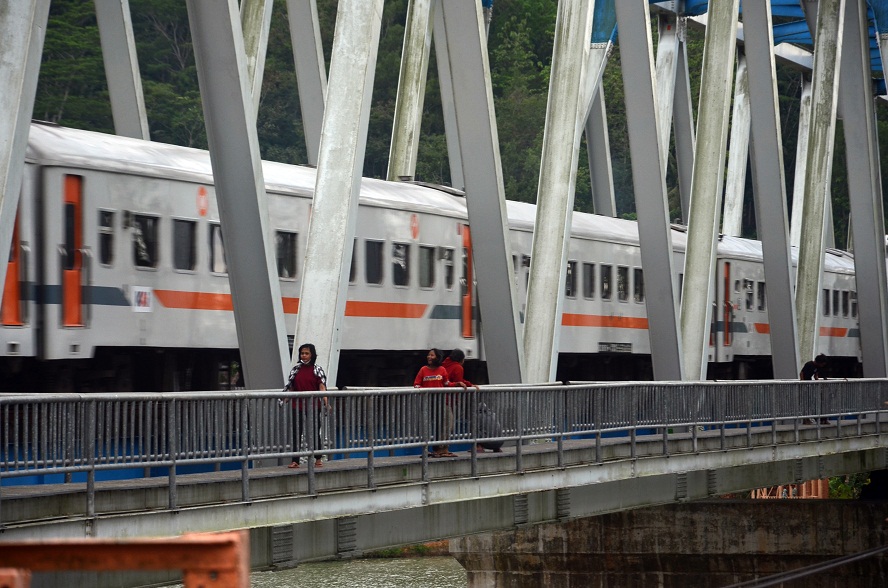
118, 280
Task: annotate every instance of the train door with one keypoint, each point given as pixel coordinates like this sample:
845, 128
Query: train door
72, 252
11, 308
467, 286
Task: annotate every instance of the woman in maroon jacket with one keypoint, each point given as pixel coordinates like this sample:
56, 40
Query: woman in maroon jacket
306, 376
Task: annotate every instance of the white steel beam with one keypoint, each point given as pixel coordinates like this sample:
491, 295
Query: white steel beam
462, 31
824, 94
864, 191
683, 122
738, 153
555, 198
340, 163
22, 29
798, 185
240, 190
311, 74
770, 186
411, 90
706, 188
122, 68
451, 129
598, 151
256, 22
667, 62
649, 179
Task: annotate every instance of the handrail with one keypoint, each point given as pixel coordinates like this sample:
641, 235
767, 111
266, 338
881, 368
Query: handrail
74, 433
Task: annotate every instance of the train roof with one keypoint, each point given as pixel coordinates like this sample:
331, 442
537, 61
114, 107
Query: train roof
54, 145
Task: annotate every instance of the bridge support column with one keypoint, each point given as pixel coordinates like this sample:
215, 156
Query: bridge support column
712, 543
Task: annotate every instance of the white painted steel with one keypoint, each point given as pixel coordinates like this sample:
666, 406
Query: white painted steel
555, 197
240, 191
598, 150
824, 94
255, 22
22, 29
451, 129
649, 180
738, 153
706, 190
667, 62
407, 121
335, 205
122, 68
469, 72
770, 187
311, 74
864, 190
798, 187
683, 123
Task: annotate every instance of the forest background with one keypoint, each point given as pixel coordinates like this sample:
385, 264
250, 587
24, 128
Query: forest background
72, 91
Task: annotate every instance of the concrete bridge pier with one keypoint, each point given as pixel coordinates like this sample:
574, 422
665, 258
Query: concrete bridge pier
701, 544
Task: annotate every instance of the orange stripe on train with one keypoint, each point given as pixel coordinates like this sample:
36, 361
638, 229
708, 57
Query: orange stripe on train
384, 309
833, 331
593, 320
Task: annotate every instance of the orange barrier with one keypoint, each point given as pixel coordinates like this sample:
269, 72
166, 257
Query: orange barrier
219, 560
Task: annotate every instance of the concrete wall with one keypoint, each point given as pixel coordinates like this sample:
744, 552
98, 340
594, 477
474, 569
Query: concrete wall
700, 544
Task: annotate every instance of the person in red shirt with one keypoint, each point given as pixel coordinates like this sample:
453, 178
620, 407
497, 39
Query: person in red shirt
456, 374
433, 375
306, 376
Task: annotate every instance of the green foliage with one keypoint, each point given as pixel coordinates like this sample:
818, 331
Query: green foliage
848, 486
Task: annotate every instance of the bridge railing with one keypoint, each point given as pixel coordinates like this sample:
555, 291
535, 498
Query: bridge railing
75, 435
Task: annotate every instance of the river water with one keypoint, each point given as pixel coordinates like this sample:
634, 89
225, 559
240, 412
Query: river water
417, 572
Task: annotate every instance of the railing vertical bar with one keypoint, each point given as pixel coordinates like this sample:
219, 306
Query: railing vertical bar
172, 437
245, 450
91, 459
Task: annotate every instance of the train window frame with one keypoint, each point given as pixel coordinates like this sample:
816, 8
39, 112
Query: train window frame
737, 286
184, 245
638, 284
146, 246
605, 279
749, 293
374, 266
400, 253
623, 285
106, 228
761, 297
825, 299
286, 254
570, 280
217, 250
853, 304
835, 303
589, 281
447, 254
427, 270
846, 303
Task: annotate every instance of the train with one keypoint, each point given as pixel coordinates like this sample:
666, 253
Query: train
117, 279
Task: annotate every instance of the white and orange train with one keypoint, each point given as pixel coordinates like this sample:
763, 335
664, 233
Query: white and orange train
117, 278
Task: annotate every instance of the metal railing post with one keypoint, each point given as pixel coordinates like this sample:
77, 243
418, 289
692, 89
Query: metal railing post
245, 438
90, 448
173, 449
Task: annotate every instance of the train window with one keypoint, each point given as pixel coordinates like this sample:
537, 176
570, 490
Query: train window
607, 272
835, 305
218, 263
106, 237
373, 262
762, 303
184, 244
353, 270
825, 302
570, 286
447, 257
638, 282
622, 283
426, 266
749, 288
285, 244
589, 280
525, 262
145, 229
400, 264
853, 304
737, 286
845, 303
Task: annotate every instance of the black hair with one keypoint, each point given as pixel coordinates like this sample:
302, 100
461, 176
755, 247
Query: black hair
311, 349
438, 356
457, 355
821, 358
